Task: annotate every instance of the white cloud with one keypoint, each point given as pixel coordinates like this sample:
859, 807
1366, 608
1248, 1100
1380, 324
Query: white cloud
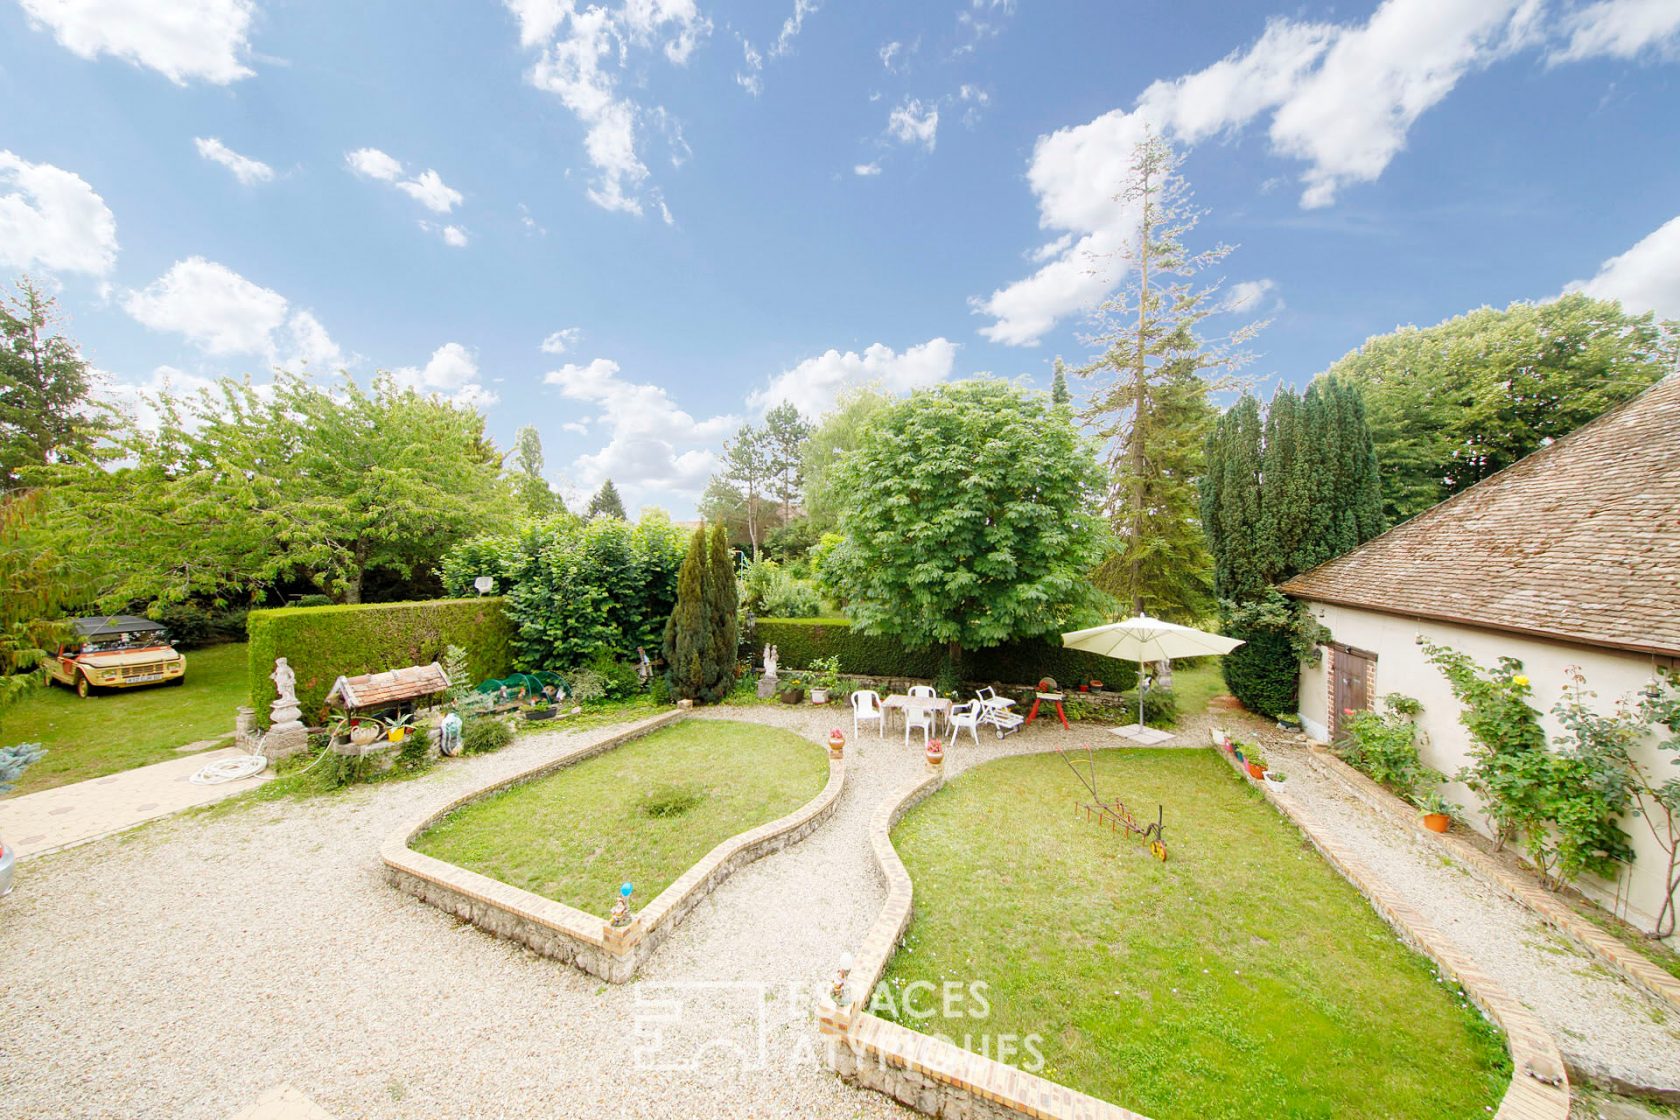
581, 55
453, 236
890, 53
792, 26
816, 383
914, 123
561, 340
223, 313
452, 373
1646, 277
51, 218
244, 168
180, 39
866, 169
430, 191
426, 188
1252, 296
652, 445
1621, 29
1342, 100
371, 163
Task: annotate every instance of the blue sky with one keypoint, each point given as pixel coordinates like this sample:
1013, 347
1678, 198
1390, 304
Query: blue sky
637, 225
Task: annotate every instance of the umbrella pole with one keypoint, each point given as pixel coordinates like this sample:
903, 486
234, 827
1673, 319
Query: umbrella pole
1140, 694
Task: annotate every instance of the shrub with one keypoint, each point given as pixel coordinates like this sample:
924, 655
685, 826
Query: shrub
324, 643
670, 801
1278, 635
588, 686
618, 679
484, 734
1160, 707
14, 760
189, 623
315, 600
802, 641
1385, 747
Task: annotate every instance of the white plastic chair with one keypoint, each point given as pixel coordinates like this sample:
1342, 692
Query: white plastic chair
965, 715
923, 692
866, 706
989, 698
917, 716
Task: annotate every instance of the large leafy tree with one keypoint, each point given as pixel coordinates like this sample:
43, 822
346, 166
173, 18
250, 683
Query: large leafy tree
840, 432
1150, 401
35, 583
972, 517
239, 488
1451, 404
535, 496
46, 412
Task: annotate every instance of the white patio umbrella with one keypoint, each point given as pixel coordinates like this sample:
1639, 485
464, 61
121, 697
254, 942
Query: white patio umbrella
1144, 639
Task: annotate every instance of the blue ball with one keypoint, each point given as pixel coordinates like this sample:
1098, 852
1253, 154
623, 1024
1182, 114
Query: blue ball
626, 889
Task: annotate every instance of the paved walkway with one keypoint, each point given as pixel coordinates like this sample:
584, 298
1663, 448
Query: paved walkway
35, 823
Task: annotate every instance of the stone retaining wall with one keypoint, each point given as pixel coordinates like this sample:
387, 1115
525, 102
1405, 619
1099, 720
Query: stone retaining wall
942, 1079
565, 932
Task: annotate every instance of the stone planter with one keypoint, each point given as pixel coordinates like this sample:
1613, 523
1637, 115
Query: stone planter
537, 715
819, 696
364, 734
792, 695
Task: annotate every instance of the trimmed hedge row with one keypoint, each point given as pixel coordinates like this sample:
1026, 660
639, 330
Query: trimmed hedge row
322, 644
799, 641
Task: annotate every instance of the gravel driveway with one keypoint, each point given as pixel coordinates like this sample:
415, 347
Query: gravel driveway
185, 969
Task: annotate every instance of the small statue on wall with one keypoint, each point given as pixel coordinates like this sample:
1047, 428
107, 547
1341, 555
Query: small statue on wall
768, 685
771, 656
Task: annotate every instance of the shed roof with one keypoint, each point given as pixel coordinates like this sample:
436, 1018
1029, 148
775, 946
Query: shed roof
1579, 541
371, 690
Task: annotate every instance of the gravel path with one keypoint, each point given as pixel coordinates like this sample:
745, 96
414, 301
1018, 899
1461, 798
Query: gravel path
182, 970
1606, 1027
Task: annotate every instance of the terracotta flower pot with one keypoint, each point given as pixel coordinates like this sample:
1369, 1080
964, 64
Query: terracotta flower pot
935, 752
836, 743
1255, 770
1437, 822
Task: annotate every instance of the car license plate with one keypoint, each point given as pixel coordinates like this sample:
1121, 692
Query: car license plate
142, 678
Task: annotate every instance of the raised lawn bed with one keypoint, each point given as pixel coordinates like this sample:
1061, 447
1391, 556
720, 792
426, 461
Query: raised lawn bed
644, 812
1242, 978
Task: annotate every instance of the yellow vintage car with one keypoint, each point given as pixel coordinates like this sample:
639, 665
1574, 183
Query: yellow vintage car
117, 651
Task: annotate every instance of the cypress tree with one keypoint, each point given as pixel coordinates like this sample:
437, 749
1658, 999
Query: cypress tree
686, 647
1059, 395
1230, 503
722, 631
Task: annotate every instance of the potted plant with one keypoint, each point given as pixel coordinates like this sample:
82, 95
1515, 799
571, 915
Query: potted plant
825, 678
1289, 721
540, 709
361, 732
1256, 763
1237, 751
1276, 778
398, 726
836, 743
1436, 811
935, 753
794, 691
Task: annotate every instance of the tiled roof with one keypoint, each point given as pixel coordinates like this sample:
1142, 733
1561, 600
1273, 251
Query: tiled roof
371, 690
1579, 541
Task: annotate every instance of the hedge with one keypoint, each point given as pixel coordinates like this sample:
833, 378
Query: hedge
799, 641
322, 644
1264, 673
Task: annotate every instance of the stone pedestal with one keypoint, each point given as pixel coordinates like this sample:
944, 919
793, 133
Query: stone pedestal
286, 734
768, 686
244, 728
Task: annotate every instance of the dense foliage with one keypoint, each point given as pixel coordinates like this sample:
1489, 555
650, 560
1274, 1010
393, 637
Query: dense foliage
803, 641
606, 502
322, 644
1281, 495
970, 521
1453, 403
1149, 404
242, 488
1385, 746
47, 412
576, 589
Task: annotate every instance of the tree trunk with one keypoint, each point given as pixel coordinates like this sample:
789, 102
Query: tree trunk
353, 588
1140, 408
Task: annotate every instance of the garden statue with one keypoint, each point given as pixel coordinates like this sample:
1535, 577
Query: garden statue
621, 909
768, 684
837, 990
449, 736
286, 735
644, 666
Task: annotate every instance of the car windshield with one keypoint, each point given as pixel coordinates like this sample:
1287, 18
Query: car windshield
130, 639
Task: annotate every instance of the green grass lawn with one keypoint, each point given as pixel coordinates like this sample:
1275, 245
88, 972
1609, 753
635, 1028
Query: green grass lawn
1241, 978
1195, 686
644, 812
119, 730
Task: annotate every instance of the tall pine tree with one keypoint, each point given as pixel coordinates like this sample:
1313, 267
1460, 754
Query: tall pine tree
606, 501
686, 641
721, 619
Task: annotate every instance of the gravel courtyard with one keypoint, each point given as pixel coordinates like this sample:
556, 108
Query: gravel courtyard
186, 968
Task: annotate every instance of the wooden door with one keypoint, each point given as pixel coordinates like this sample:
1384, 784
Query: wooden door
1352, 671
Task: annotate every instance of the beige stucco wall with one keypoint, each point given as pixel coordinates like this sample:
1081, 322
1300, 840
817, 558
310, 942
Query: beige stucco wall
1401, 668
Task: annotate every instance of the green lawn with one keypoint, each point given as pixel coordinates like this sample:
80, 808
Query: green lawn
119, 730
1194, 687
644, 812
1241, 978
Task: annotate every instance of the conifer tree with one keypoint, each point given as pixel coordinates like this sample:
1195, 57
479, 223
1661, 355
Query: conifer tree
722, 628
1059, 395
686, 647
606, 501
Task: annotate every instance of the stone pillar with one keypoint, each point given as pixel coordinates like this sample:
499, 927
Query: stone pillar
245, 728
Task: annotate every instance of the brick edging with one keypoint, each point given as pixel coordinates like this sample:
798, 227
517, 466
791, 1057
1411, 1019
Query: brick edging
565, 932
1539, 1087
1629, 964
923, 1072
